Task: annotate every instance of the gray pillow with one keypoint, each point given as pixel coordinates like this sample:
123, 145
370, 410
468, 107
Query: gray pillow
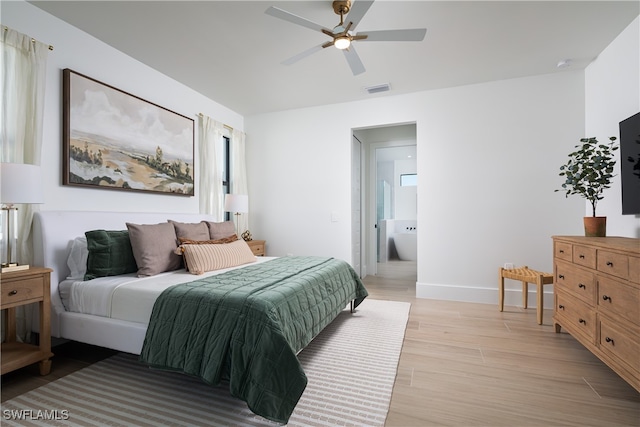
191, 231
154, 248
219, 230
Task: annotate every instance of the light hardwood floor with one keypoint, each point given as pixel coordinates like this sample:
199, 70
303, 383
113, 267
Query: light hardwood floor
466, 364
462, 364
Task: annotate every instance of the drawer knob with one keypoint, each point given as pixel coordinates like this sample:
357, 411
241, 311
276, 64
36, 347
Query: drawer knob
584, 322
609, 263
609, 340
561, 307
581, 286
561, 251
13, 292
606, 297
560, 276
581, 256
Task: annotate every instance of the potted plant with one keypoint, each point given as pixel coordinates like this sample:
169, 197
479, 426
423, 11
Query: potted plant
588, 172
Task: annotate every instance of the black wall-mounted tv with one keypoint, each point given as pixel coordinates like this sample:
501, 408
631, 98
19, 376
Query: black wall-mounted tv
630, 164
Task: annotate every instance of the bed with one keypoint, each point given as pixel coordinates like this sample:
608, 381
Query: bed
258, 315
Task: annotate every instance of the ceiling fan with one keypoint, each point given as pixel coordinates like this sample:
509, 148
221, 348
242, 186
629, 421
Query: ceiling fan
342, 36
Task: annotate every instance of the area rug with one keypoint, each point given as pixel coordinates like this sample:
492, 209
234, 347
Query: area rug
351, 367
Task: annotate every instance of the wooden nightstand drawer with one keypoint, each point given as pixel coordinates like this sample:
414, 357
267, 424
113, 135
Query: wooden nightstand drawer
257, 247
15, 292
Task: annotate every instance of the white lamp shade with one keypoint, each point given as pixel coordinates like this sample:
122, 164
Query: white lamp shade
236, 203
21, 183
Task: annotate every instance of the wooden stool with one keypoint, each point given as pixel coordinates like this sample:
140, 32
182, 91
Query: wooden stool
526, 276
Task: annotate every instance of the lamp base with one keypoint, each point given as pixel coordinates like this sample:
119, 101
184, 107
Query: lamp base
6, 268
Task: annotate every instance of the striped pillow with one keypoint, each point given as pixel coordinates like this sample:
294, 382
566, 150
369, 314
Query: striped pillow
201, 258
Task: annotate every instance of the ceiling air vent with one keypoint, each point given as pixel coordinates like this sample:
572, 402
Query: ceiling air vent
378, 88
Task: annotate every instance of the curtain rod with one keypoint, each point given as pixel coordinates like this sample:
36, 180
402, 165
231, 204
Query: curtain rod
227, 126
32, 39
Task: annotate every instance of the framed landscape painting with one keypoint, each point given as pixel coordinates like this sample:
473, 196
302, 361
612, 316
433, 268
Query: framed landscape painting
115, 140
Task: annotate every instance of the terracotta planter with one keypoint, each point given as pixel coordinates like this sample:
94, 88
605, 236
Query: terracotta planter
595, 226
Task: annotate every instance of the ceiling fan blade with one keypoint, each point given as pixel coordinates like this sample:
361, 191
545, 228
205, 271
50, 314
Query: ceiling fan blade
357, 12
411, 35
295, 19
303, 55
357, 67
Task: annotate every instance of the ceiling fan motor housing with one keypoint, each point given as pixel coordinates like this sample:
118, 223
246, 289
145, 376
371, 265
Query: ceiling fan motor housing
341, 7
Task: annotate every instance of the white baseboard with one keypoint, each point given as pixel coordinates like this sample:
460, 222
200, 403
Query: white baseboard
481, 295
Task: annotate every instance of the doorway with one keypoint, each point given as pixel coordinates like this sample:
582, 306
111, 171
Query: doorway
387, 173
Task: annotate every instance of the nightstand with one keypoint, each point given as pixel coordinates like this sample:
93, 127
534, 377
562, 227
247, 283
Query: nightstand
21, 288
257, 246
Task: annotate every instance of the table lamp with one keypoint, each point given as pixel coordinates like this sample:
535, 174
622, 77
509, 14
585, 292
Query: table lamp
19, 184
237, 203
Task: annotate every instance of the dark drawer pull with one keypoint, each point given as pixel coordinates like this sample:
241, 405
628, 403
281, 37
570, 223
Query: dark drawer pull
606, 297
560, 276
582, 321
610, 340
581, 286
561, 251
581, 256
561, 307
14, 292
609, 263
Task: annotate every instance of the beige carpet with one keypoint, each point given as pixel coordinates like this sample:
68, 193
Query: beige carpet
351, 367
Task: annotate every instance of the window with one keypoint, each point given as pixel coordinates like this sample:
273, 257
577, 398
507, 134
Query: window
226, 170
408, 180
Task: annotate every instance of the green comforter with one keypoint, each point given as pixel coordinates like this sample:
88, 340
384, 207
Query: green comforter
247, 325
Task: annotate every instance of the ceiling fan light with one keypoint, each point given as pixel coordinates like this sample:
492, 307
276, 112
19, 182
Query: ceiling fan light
342, 42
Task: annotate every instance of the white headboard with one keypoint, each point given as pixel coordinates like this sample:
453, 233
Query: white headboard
53, 232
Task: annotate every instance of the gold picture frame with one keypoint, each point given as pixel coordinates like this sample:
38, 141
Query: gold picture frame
118, 141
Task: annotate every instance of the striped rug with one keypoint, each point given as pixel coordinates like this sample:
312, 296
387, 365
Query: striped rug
351, 367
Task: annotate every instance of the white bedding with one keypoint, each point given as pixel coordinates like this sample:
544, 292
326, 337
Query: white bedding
126, 297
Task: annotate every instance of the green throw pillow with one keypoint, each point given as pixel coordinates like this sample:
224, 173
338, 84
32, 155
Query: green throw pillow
110, 254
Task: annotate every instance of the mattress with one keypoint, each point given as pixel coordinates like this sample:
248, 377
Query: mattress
126, 297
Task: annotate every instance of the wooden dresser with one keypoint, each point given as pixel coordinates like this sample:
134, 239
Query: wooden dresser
597, 298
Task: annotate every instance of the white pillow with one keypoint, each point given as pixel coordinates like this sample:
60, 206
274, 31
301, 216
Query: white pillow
77, 260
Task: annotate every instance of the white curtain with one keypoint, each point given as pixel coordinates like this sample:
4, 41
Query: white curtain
239, 175
210, 147
23, 79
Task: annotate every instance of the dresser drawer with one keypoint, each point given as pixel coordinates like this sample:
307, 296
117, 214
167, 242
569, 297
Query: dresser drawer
613, 263
576, 281
585, 256
620, 343
615, 298
563, 250
634, 269
22, 290
578, 317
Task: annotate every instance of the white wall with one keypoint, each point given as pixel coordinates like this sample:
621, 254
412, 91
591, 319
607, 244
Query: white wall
612, 87
82, 53
405, 197
487, 158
